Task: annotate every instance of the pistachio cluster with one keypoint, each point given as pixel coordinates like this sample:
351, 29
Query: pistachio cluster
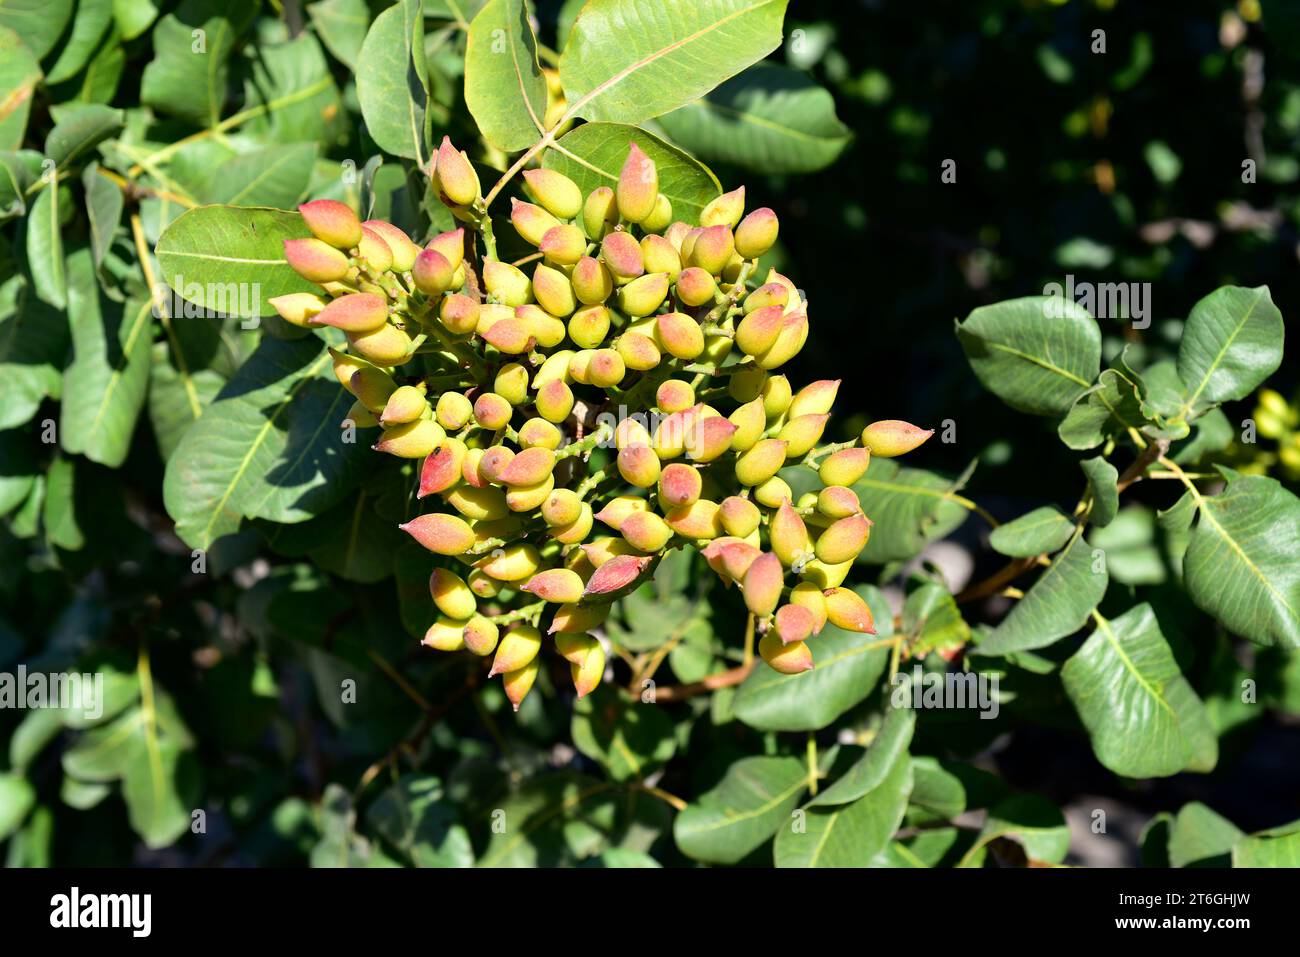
627, 331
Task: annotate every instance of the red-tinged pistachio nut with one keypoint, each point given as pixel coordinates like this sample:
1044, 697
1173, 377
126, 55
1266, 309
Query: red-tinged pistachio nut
659, 255
776, 395
298, 308
574, 647
674, 395
838, 501
518, 646
562, 507
622, 255
442, 470
587, 674
791, 659
640, 353
577, 530
563, 244
638, 186
616, 574
759, 463
452, 246
554, 401
492, 411
508, 284
385, 346
332, 222
675, 233
756, 233
788, 535
529, 467
725, 210
515, 562
599, 213
559, 585
643, 295
356, 312
490, 313
557, 194
494, 461
445, 634
709, 437
890, 437
592, 282
630, 431
803, 432
317, 261
372, 248
589, 326
511, 383
453, 411
639, 465
537, 433
452, 596
433, 274
359, 416
814, 398
794, 333
405, 405
688, 243
772, 492
458, 313
740, 516
578, 366
846, 609
531, 222
372, 386
619, 508
646, 531
768, 294
696, 286
604, 550
487, 504
483, 585
679, 485
511, 336
480, 636
575, 620
699, 520
679, 335
762, 584
794, 623
525, 498
403, 249
809, 596
547, 329
713, 249
660, 216
750, 421
518, 683
606, 368
454, 176
736, 557
844, 539
758, 331
440, 533
746, 384
670, 435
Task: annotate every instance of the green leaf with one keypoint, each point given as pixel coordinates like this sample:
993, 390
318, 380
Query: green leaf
59, 513
910, 507
342, 26
1039, 532
1278, 847
392, 86
275, 176
176, 398
1212, 433
17, 797
848, 835
187, 76
17, 172
160, 790
80, 130
229, 260
133, 17
504, 86
770, 119
1057, 605
1032, 821
1103, 479
937, 794
88, 28
626, 60
1240, 565
416, 817
45, 246
268, 447
629, 739
1037, 354
33, 344
104, 204
847, 666
1231, 343
1143, 717
106, 381
19, 75
593, 154
40, 23
1201, 838
932, 620
292, 87
1109, 408
550, 821
888, 749
751, 803
1132, 555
